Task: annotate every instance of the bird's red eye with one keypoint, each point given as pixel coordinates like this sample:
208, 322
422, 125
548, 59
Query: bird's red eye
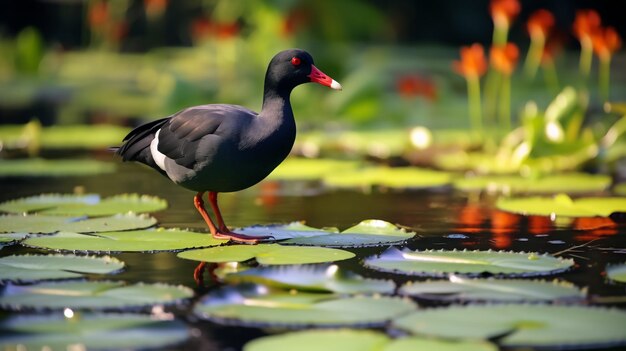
296, 61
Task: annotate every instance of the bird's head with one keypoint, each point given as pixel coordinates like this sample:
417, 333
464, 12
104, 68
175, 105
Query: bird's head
290, 68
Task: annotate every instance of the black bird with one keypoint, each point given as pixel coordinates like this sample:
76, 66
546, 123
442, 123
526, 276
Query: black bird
223, 148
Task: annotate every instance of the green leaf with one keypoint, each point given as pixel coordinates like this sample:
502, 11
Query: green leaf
415, 343
28, 268
96, 295
493, 290
11, 238
84, 205
522, 325
444, 263
98, 136
90, 331
267, 254
558, 183
563, 206
327, 278
283, 231
37, 167
617, 272
401, 177
40, 224
258, 305
125, 241
327, 340
310, 169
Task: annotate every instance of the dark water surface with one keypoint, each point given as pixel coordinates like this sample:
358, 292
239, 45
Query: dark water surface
443, 219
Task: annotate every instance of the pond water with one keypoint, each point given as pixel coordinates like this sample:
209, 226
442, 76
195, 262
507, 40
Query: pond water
443, 219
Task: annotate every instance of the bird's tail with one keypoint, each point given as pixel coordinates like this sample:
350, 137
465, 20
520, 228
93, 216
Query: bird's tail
136, 145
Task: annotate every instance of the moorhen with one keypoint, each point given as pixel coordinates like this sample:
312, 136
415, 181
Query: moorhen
224, 148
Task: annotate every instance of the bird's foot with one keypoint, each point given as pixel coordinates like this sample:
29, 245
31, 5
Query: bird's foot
241, 238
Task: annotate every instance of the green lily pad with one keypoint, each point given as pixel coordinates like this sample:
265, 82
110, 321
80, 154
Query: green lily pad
563, 206
414, 343
267, 254
28, 268
372, 232
471, 263
327, 278
522, 325
125, 241
84, 205
40, 224
310, 169
90, 331
559, 183
493, 290
617, 272
37, 167
401, 178
95, 295
258, 305
11, 238
98, 136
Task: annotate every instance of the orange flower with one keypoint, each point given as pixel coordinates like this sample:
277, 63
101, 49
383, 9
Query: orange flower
585, 24
472, 63
411, 86
504, 58
155, 8
551, 49
504, 12
606, 42
98, 14
540, 23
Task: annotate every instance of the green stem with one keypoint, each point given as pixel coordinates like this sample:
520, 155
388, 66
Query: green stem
533, 58
605, 72
550, 75
491, 94
500, 34
586, 57
475, 113
505, 103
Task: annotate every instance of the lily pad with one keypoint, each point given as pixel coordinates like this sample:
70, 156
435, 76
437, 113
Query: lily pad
559, 183
327, 340
93, 295
29, 268
11, 238
84, 205
258, 305
90, 331
522, 325
470, 263
37, 167
372, 232
267, 254
617, 272
400, 177
310, 169
414, 343
41, 224
562, 205
125, 241
493, 290
327, 278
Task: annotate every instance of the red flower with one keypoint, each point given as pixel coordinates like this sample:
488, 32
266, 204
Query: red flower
585, 24
415, 85
504, 12
472, 63
540, 23
606, 42
98, 14
504, 58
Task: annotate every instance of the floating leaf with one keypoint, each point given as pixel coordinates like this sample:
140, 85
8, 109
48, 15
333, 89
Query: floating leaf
40, 224
493, 290
11, 238
372, 232
257, 305
328, 278
327, 340
617, 272
414, 343
28, 268
267, 254
559, 183
521, 325
401, 177
33, 167
443, 263
93, 136
310, 169
125, 241
91, 295
90, 331
84, 205
562, 205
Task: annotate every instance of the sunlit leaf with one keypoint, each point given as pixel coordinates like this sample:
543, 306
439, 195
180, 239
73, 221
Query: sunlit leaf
125, 241
491, 290
329, 278
260, 306
91, 295
28, 268
90, 331
400, 177
523, 325
310, 169
415, 343
284, 231
93, 136
444, 263
267, 254
559, 183
327, 340
84, 205
562, 205
617, 272
41, 224
32, 167
11, 238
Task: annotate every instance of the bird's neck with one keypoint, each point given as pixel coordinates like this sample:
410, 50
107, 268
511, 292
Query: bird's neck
276, 105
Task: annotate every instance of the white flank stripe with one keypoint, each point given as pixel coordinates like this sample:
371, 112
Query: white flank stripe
158, 157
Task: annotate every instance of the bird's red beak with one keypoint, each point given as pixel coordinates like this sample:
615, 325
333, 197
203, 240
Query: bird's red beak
319, 77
